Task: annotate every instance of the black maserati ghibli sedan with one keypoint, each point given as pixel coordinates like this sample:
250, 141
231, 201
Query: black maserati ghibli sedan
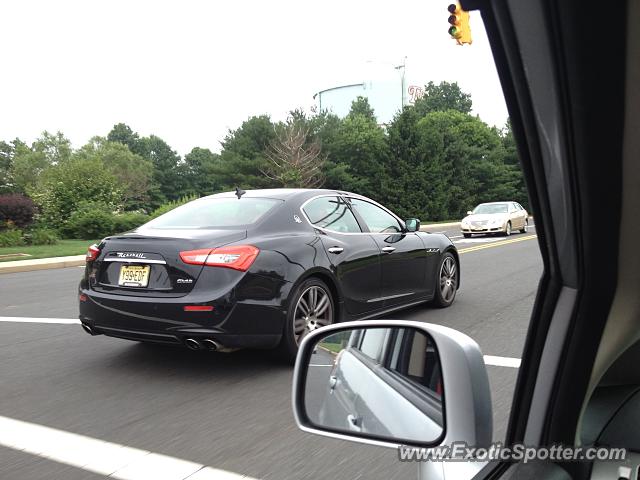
261, 269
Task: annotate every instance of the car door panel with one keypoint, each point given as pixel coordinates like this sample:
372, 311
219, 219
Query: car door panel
403, 267
353, 254
403, 260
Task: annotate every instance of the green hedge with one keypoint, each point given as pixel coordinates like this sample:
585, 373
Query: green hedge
11, 238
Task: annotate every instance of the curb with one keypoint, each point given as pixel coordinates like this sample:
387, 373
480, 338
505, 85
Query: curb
434, 225
41, 264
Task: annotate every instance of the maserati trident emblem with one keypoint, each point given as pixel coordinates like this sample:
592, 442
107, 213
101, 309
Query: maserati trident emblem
296, 219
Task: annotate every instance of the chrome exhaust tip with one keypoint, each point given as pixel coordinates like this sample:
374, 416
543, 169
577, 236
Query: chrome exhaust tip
192, 344
211, 345
88, 329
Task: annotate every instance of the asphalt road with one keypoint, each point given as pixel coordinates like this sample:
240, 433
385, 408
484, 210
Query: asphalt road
229, 411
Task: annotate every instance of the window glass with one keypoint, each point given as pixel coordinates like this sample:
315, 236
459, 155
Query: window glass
333, 214
215, 213
488, 208
415, 358
372, 342
377, 219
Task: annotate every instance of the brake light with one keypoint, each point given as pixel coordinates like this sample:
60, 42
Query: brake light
198, 308
237, 257
92, 253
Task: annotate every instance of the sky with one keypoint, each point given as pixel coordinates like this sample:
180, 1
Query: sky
188, 71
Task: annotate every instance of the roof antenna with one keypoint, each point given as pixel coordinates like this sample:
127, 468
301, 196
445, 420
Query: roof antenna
239, 192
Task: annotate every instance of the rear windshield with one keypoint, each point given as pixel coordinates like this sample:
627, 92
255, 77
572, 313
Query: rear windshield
216, 213
492, 208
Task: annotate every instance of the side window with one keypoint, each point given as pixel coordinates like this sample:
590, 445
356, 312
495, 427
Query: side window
377, 219
415, 358
333, 214
371, 343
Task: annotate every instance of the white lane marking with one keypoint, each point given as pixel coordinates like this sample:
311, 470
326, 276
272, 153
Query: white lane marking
502, 361
488, 359
40, 320
103, 458
479, 240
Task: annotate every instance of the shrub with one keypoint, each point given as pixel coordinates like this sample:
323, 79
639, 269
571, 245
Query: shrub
128, 221
16, 209
63, 189
91, 220
43, 236
167, 207
11, 238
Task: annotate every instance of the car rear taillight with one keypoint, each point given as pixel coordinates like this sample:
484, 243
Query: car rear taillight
198, 308
92, 253
237, 257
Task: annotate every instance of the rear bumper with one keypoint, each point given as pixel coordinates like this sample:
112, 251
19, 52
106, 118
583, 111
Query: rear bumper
483, 230
247, 323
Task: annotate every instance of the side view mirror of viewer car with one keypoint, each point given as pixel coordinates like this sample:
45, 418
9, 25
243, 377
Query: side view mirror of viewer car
412, 224
391, 383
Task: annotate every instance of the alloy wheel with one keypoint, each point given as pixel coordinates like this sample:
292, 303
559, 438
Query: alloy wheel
448, 279
313, 310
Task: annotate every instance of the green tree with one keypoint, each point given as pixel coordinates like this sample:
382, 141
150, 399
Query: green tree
361, 106
166, 175
414, 184
122, 133
7, 155
62, 189
243, 159
199, 169
134, 173
441, 97
29, 163
467, 155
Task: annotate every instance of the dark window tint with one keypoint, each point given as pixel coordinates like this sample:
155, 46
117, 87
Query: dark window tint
216, 213
331, 213
377, 219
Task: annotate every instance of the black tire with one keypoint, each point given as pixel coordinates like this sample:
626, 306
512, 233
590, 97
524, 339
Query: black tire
288, 347
466, 235
524, 228
446, 294
507, 230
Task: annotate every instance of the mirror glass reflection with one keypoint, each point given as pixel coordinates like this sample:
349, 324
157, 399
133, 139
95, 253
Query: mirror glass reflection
380, 382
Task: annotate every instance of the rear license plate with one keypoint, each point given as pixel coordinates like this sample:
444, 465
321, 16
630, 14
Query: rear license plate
134, 275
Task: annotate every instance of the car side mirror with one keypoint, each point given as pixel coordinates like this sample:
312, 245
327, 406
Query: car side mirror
392, 383
469, 212
412, 224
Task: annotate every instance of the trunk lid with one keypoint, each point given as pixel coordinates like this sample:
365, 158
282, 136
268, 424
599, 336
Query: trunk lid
158, 252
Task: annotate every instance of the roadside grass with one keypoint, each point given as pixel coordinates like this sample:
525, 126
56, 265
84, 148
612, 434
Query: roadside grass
333, 347
62, 249
428, 222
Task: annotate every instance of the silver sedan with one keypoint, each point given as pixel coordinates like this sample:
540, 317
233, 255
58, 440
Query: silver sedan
495, 217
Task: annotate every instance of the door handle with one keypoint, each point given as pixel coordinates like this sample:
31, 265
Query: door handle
333, 381
388, 249
354, 423
335, 250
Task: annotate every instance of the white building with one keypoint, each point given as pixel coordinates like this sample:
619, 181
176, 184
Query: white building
386, 87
